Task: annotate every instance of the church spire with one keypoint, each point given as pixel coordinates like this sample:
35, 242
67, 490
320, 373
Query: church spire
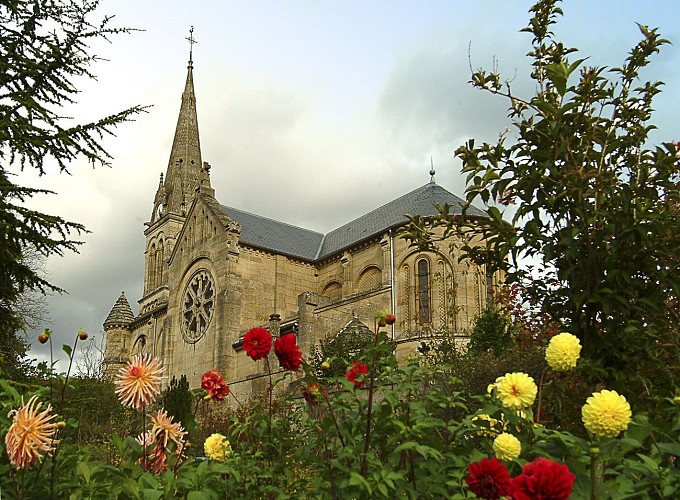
184, 167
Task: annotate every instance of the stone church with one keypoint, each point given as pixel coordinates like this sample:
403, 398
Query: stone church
212, 272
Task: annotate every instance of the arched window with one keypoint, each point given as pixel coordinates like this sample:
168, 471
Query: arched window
160, 260
423, 291
370, 279
151, 278
139, 347
333, 290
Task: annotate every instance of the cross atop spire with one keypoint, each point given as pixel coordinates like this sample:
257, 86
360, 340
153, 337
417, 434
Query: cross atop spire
192, 41
183, 174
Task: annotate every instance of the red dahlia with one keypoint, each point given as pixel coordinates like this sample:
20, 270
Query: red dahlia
356, 369
489, 479
215, 385
312, 392
543, 479
257, 343
288, 352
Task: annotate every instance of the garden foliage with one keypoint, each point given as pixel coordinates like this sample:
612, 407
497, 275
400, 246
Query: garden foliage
594, 207
547, 414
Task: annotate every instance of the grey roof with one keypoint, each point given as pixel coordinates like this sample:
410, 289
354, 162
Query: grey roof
121, 313
418, 202
268, 234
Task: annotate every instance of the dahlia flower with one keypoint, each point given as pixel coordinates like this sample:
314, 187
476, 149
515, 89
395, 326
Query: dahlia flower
487, 425
488, 479
217, 447
155, 442
257, 343
154, 458
31, 432
312, 392
606, 414
516, 390
138, 383
356, 369
506, 446
164, 430
215, 385
288, 352
543, 478
563, 351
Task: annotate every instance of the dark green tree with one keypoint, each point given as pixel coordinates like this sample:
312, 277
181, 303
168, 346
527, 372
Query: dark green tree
491, 332
44, 49
594, 206
177, 400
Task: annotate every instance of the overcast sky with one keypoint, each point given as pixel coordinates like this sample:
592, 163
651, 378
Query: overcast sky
309, 112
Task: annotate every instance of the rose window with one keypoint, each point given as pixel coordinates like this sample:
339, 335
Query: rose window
197, 306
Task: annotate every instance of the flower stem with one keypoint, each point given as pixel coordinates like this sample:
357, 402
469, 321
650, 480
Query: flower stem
593, 463
269, 422
369, 408
540, 397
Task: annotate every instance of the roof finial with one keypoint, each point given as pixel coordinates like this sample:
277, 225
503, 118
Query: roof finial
192, 41
432, 172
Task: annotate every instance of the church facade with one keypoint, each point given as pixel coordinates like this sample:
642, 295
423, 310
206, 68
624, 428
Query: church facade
212, 272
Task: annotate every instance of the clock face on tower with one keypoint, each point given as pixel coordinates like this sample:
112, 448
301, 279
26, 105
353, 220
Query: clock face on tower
197, 305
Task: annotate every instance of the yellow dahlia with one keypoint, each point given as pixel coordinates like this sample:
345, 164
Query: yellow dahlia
506, 446
138, 383
217, 447
606, 414
165, 430
32, 431
487, 425
563, 351
516, 390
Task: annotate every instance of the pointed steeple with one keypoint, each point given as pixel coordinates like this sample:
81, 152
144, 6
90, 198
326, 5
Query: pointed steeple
120, 315
184, 167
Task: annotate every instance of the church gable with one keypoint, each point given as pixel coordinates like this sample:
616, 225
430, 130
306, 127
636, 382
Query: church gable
206, 227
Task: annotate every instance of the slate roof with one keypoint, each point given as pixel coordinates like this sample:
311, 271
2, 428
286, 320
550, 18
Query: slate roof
121, 313
268, 234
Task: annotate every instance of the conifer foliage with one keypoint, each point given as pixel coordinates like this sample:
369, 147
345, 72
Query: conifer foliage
44, 50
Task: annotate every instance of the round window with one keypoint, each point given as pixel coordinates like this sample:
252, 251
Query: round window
197, 306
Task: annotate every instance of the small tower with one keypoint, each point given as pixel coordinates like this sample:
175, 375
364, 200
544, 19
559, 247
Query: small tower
118, 344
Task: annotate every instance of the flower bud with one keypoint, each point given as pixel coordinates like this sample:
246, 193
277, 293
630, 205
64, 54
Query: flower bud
44, 335
381, 318
60, 425
82, 334
390, 319
326, 365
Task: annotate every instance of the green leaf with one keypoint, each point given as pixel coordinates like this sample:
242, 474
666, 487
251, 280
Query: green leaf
83, 469
357, 479
67, 350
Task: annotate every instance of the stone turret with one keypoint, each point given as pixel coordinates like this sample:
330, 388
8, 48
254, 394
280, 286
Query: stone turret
118, 342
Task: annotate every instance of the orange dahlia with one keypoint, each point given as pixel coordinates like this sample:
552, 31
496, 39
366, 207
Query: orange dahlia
155, 443
138, 383
165, 430
32, 431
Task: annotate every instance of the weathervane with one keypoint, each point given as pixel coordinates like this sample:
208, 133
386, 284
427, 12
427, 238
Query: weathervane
432, 172
192, 41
